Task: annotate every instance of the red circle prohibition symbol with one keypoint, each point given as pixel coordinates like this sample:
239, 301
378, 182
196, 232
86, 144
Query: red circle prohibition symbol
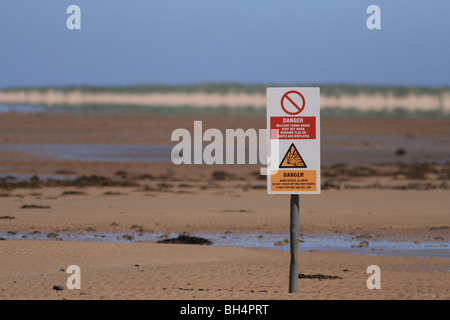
287, 96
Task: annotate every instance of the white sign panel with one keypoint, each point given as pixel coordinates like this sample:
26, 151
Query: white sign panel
293, 129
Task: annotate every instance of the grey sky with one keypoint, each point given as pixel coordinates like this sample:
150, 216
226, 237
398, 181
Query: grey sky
183, 42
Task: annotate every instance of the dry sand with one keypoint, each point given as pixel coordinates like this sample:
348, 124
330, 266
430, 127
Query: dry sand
164, 271
388, 203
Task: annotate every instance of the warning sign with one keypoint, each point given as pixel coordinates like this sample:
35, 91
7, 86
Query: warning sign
292, 159
294, 181
293, 123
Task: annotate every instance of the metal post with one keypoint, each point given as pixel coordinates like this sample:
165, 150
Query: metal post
294, 225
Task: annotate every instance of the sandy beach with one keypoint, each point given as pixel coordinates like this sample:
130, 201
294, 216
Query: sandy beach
227, 155
45, 198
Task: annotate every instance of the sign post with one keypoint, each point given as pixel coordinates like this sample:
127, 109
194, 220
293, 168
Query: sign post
294, 227
293, 128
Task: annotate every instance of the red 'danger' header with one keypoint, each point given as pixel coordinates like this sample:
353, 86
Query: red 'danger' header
293, 127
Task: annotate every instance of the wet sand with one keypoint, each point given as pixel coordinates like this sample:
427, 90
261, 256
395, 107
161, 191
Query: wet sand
402, 201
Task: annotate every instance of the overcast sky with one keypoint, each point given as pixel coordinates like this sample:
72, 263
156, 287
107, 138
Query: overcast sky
123, 42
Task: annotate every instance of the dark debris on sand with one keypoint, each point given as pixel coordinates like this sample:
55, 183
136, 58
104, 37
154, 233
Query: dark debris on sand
317, 276
407, 176
34, 206
187, 239
73, 193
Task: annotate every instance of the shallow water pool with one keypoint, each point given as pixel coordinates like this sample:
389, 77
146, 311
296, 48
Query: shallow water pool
309, 243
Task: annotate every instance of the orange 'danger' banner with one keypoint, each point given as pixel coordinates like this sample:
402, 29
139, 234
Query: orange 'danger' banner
294, 180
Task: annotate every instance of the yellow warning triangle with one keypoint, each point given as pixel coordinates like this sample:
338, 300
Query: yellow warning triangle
292, 159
